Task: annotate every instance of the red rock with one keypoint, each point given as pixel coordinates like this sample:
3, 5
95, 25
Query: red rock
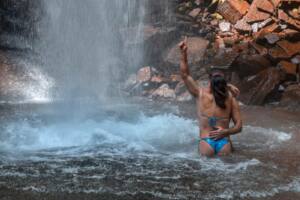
233, 10
196, 49
290, 48
294, 14
242, 25
266, 5
219, 43
289, 33
256, 88
259, 48
254, 15
268, 29
277, 52
144, 75
243, 46
284, 17
290, 0
288, 67
275, 3
230, 41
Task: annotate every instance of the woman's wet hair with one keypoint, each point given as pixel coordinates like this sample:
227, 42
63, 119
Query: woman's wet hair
219, 89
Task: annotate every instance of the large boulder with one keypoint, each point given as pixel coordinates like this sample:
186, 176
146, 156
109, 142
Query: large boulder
291, 97
255, 89
156, 40
196, 50
249, 65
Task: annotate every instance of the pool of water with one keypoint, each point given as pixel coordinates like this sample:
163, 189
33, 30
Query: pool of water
129, 152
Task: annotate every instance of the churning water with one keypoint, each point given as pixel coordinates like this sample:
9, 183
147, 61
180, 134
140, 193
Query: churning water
127, 154
87, 46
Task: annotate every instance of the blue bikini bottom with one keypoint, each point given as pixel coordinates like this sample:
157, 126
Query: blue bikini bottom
216, 145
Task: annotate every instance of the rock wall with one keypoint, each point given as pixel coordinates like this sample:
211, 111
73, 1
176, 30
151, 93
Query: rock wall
256, 43
18, 23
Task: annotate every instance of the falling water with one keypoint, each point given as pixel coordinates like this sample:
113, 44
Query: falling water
89, 46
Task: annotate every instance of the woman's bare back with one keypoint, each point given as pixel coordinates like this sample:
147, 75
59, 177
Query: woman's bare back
206, 108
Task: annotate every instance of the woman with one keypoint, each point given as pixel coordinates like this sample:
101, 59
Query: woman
216, 107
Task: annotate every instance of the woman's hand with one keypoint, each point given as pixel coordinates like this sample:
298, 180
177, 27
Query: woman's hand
219, 134
183, 46
234, 90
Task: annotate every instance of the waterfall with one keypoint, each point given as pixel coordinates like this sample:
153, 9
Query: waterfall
88, 46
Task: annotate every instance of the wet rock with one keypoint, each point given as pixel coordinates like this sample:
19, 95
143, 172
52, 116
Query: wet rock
266, 6
288, 67
195, 12
296, 60
272, 38
164, 91
180, 88
224, 26
255, 89
219, 43
156, 40
266, 30
254, 27
157, 79
224, 60
184, 97
294, 13
259, 48
289, 33
289, 20
278, 53
276, 3
254, 15
144, 75
233, 10
291, 48
249, 65
242, 25
291, 97
197, 48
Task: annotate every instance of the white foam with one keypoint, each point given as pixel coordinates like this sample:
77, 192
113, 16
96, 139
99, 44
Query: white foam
279, 135
33, 86
219, 165
143, 134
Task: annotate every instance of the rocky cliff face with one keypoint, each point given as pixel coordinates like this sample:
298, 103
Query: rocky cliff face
18, 23
256, 43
